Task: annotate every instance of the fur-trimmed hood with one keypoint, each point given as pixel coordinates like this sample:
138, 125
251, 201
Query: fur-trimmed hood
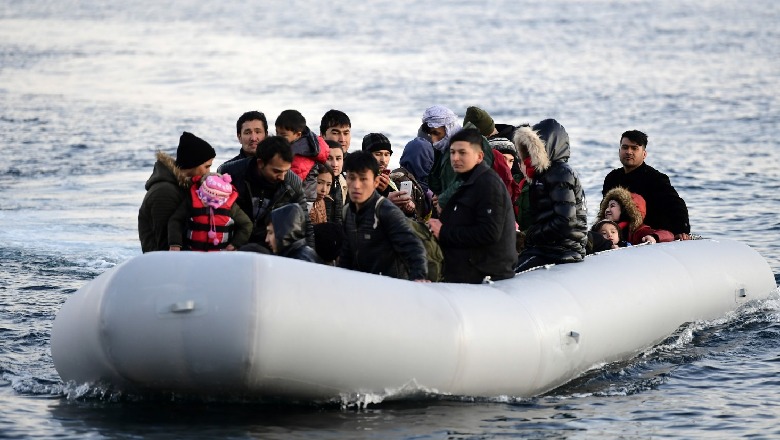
165, 166
630, 212
530, 144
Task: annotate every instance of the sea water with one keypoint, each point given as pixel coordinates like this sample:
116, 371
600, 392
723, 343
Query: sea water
89, 90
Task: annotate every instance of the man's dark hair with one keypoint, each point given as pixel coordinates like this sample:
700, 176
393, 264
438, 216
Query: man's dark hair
323, 168
273, 145
360, 161
251, 116
334, 118
291, 120
636, 137
333, 144
470, 135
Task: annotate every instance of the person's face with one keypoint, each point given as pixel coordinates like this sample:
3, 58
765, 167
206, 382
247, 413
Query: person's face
252, 132
275, 170
610, 232
383, 157
270, 237
341, 134
361, 186
510, 160
324, 183
437, 133
200, 170
612, 211
290, 135
631, 154
336, 160
464, 157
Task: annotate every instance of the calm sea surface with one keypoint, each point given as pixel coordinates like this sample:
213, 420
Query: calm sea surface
90, 89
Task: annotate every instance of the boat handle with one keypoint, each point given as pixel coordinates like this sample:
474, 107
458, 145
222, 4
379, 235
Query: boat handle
183, 306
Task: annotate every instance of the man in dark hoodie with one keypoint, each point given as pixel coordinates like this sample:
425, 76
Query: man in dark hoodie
167, 186
285, 234
558, 231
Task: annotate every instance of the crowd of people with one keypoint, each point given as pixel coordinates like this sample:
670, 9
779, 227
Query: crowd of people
471, 202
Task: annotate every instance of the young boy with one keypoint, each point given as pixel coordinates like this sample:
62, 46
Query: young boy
378, 238
610, 231
336, 162
285, 234
307, 148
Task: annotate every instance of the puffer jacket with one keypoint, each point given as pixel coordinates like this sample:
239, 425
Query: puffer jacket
289, 222
633, 210
289, 191
558, 229
165, 191
477, 235
378, 239
308, 150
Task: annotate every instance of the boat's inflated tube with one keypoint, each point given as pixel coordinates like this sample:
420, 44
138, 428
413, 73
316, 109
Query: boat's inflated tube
271, 326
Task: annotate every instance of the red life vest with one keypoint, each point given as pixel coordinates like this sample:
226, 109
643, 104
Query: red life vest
201, 221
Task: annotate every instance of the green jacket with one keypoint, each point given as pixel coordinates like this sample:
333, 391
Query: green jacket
165, 191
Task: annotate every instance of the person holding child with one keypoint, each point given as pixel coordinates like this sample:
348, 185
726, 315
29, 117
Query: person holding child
167, 187
628, 210
210, 216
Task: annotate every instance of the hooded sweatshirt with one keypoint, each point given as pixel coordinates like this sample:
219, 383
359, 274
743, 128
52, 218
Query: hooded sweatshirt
558, 229
289, 231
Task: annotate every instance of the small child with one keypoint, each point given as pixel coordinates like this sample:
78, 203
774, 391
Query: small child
319, 212
285, 234
210, 216
610, 231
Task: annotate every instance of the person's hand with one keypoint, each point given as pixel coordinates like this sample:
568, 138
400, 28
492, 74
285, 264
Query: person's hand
384, 180
682, 236
402, 200
422, 281
434, 225
649, 239
174, 248
230, 247
435, 201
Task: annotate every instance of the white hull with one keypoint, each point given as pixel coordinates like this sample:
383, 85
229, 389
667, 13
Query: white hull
270, 326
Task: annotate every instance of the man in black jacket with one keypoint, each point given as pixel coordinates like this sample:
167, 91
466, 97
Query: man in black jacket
251, 129
377, 237
476, 227
665, 208
264, 183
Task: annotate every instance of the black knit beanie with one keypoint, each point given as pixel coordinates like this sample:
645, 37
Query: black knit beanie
193, 151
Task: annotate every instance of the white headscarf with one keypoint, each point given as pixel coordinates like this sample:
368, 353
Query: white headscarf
440, 116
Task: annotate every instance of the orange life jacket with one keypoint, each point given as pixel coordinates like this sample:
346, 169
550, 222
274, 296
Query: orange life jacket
203, 218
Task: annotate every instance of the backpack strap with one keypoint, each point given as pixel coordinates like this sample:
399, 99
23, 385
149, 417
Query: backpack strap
376, 208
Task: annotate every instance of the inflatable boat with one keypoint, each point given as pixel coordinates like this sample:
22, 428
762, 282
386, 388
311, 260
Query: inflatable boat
262, 325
